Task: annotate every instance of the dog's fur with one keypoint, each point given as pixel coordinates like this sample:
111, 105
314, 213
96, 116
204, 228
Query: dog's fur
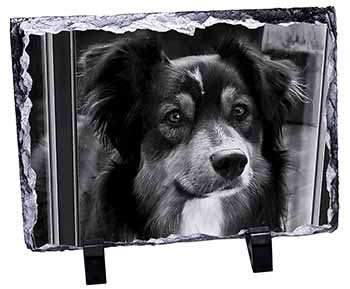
163, 120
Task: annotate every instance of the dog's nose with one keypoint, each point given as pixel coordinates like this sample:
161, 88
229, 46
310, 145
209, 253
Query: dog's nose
229, 163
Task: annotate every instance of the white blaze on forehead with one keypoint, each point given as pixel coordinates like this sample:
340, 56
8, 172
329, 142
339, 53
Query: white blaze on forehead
202, 216
197, 76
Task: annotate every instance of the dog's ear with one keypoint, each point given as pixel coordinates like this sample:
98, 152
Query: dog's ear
274, 84
114, 78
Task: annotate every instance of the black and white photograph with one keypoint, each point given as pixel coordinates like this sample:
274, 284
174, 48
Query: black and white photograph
149, 135
174, 144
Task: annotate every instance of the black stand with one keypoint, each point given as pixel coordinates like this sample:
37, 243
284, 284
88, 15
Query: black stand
94, 260
259, 245
258, 240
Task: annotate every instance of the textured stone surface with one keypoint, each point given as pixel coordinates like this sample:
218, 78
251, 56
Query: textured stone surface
183, 22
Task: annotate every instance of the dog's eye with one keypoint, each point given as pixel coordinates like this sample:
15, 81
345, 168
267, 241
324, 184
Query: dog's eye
239, 110
174, 117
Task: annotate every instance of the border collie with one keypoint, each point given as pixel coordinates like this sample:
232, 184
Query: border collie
194, 144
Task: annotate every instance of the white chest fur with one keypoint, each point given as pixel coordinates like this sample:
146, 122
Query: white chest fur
202, 216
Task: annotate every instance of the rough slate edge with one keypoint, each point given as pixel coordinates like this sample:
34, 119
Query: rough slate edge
183, 22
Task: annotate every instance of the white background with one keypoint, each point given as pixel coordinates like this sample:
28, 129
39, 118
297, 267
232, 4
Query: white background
320, 261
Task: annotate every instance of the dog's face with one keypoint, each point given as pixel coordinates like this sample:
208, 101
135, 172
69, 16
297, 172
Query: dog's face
203, 131
195, 127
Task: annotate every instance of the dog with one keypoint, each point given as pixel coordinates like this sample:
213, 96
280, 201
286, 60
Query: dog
194, 145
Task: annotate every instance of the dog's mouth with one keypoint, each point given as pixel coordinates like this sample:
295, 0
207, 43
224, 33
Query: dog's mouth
220, 191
